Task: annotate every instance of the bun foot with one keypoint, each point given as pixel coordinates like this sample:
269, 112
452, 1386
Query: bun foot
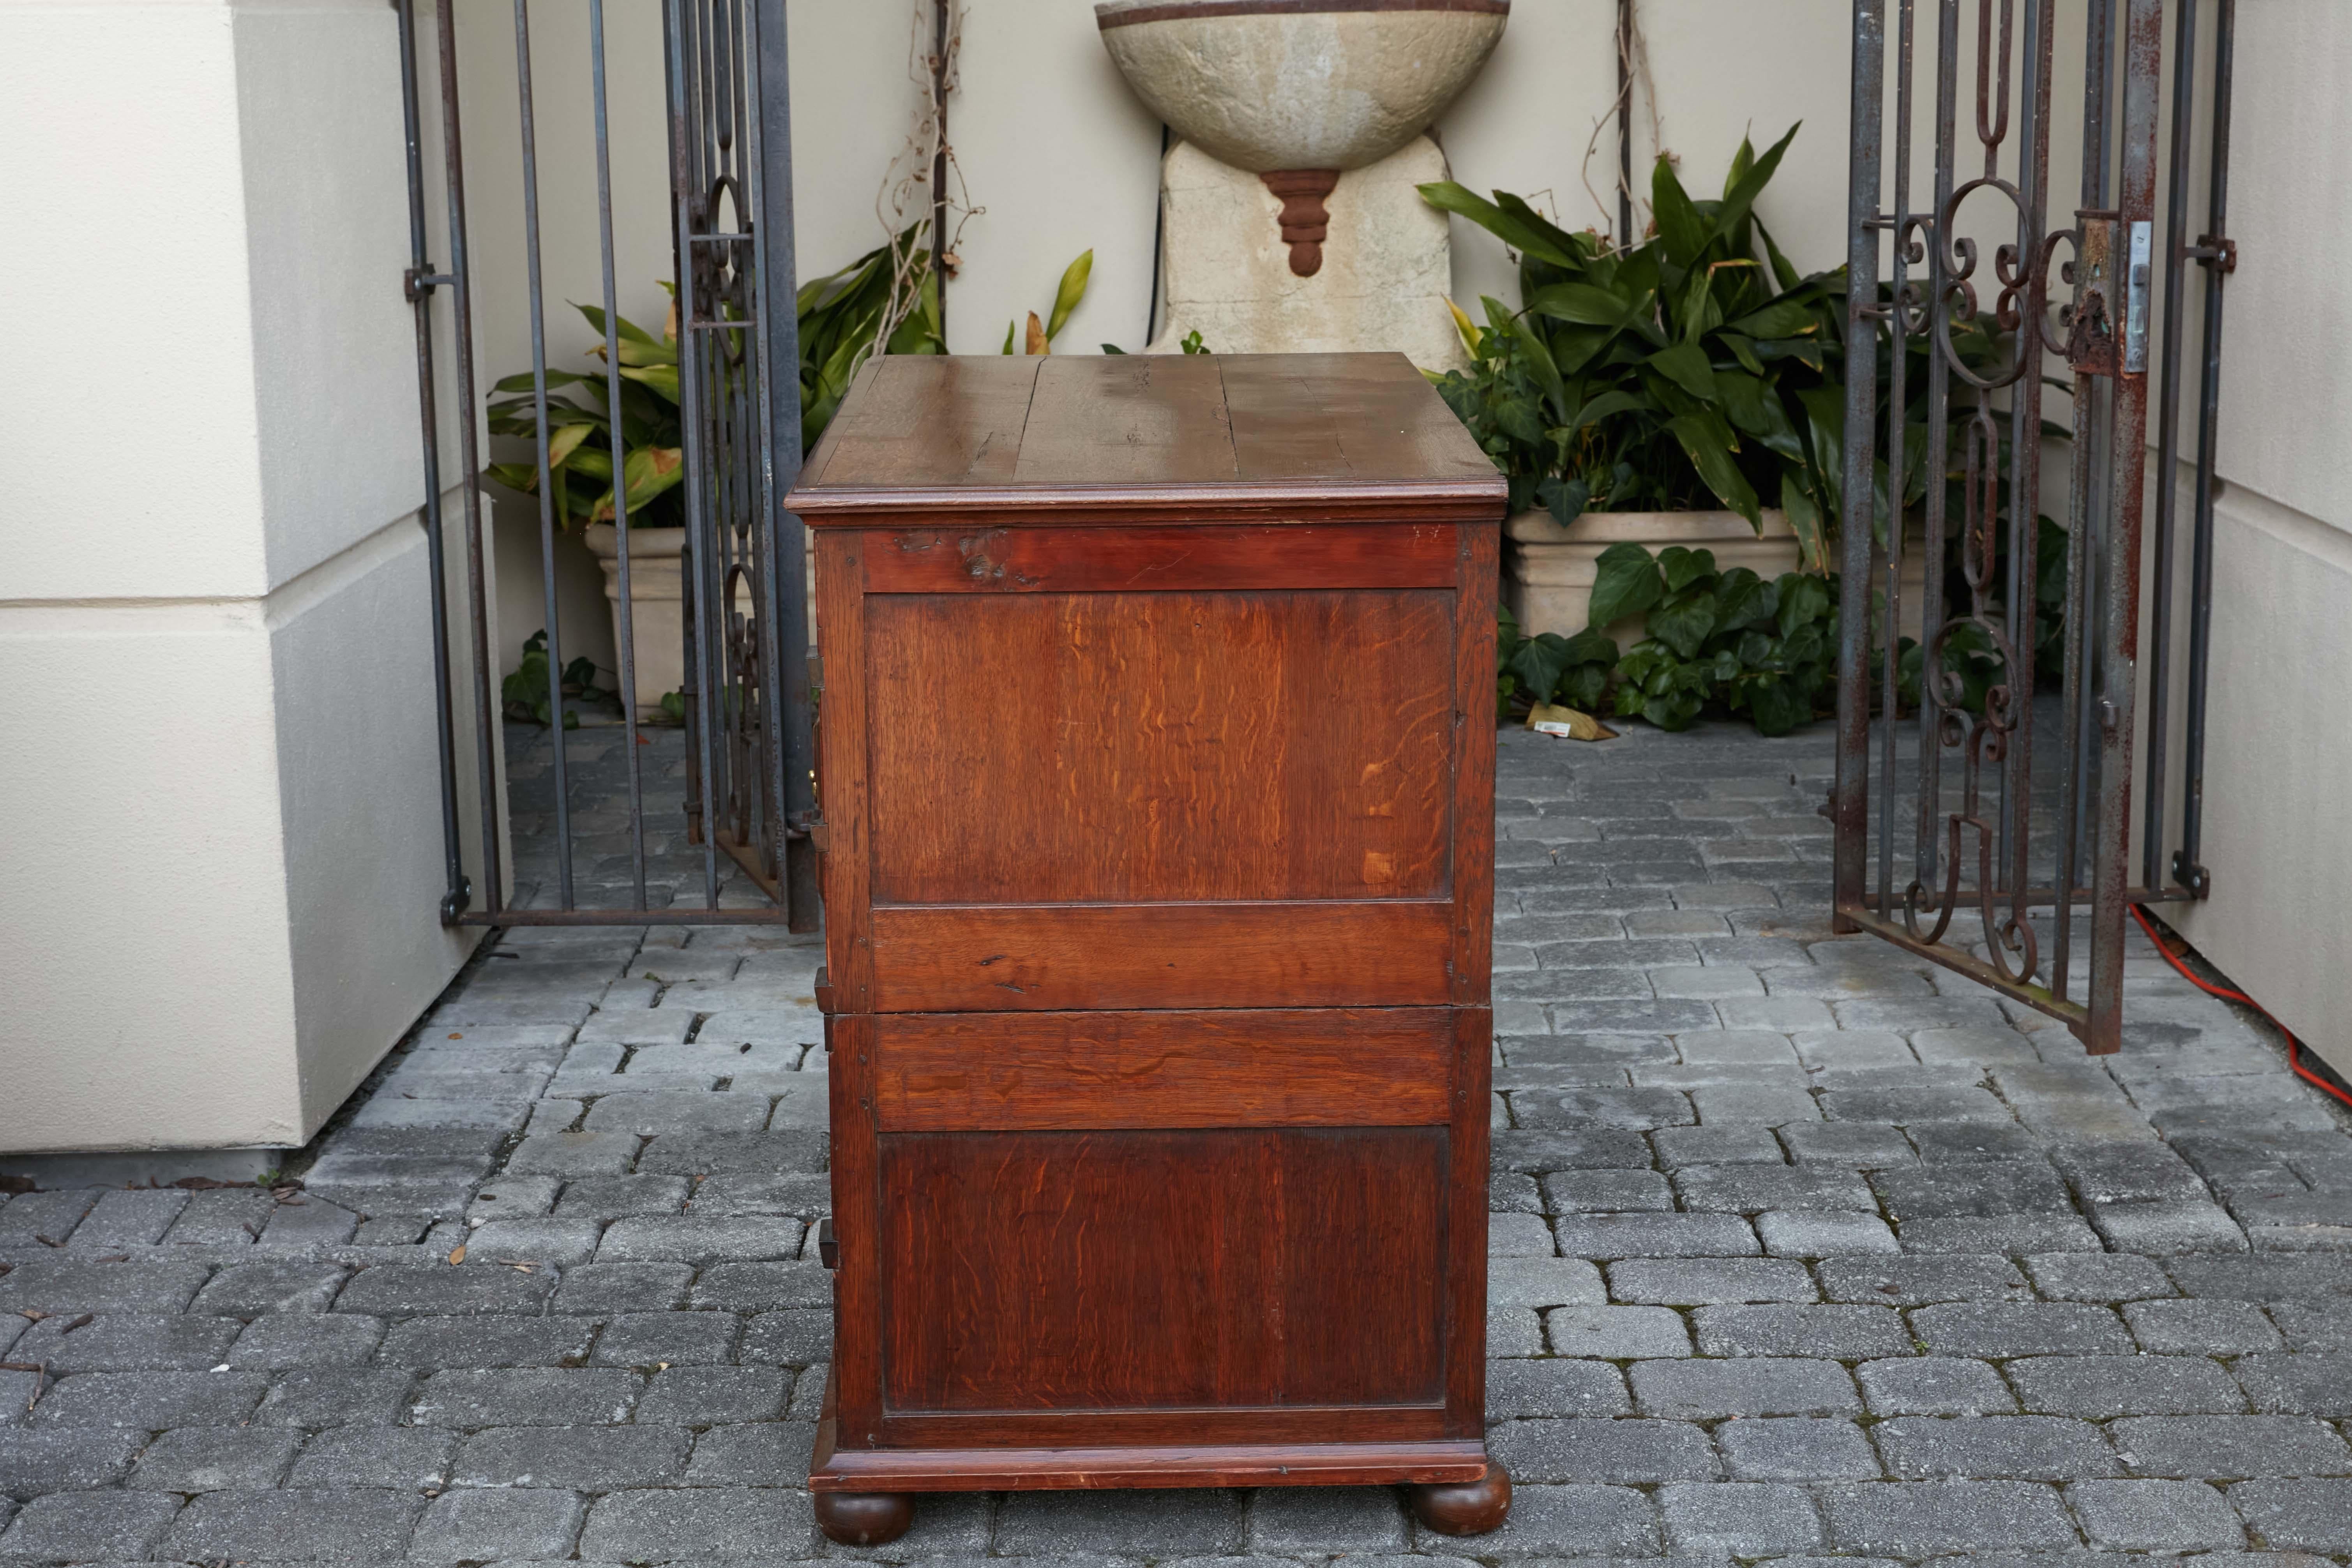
865, 1519
1468, 1508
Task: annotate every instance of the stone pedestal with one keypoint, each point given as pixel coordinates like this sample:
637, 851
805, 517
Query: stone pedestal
1227, 273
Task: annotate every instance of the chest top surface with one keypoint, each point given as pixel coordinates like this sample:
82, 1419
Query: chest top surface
1269, 434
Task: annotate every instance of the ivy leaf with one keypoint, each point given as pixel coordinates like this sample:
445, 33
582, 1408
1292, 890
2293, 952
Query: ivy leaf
1625, 583
1592, 646
1685, 621
1803, 600
1564, 499
1775, 706
1743, 600
1682, 566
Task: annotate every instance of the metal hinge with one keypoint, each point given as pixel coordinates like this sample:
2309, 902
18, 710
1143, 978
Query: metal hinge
416, 282
2213, 250
828, 1246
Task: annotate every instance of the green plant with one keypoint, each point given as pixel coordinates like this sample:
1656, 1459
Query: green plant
1696, 368
1190, 344
530, 694
580, 434
1549, 667
1765, 648
1067, 295
843, 314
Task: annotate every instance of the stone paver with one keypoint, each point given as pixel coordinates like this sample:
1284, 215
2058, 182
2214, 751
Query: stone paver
1805, 1248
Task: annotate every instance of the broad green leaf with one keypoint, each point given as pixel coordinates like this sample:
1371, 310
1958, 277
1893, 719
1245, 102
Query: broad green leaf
555, 378
566, 441
1804, 519
1539, 362
1067, 295
662, 379
1447, 196
1744, 399
1583, 304
523, 477
1780, 319
1601, 407
1710, 454
1740, 198
626, 329
1825, 416
1743, 350
1537, 663
1685, 365
1679, 225
651, 470
1625, 583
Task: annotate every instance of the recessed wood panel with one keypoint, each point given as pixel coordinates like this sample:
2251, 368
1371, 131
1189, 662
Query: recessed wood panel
1141, 1270
1050, 957
1223, 1068
1088, 747
980, 559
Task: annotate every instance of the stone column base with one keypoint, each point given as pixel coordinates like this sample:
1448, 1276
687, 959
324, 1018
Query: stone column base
1228, 271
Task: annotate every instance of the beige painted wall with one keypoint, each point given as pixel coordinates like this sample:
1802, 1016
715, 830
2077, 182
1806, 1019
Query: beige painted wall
2279, 839
218, 887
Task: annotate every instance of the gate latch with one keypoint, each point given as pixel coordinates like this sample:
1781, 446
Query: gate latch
2090, 330
2135, 299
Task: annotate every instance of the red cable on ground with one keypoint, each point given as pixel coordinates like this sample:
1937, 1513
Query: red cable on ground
2294, 1045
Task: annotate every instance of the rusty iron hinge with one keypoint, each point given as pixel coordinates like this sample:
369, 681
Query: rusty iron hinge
2091, 326
416, 282
2213, 250
828, 1245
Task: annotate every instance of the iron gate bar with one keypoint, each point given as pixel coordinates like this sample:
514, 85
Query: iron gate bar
420, 283
626, 633
553, 631
469, 451
2219, 256
792, 797
2143, 44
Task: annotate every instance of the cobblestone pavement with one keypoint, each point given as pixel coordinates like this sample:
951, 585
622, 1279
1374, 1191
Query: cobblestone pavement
1801, 1250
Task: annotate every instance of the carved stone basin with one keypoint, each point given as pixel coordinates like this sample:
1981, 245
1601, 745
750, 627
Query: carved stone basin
1298, 90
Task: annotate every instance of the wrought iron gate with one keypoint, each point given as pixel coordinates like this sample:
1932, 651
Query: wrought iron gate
1939, 805
747, 793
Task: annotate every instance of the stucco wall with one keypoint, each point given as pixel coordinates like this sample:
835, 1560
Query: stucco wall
2279, 840
218, 886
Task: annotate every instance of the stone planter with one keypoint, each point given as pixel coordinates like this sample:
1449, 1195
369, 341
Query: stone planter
659, 621
1548, 572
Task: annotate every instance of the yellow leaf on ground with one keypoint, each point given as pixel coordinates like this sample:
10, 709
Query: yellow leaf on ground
460, 1255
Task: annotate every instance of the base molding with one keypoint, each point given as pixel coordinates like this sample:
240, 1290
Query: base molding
1448, 1463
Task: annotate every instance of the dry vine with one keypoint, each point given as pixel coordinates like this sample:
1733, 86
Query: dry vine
924, 176
1632, 64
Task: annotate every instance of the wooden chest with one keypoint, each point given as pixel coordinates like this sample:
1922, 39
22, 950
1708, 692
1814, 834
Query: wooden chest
1157, 754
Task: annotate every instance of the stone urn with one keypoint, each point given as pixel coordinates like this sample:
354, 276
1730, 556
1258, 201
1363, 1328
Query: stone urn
1548, 575
1290, 221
